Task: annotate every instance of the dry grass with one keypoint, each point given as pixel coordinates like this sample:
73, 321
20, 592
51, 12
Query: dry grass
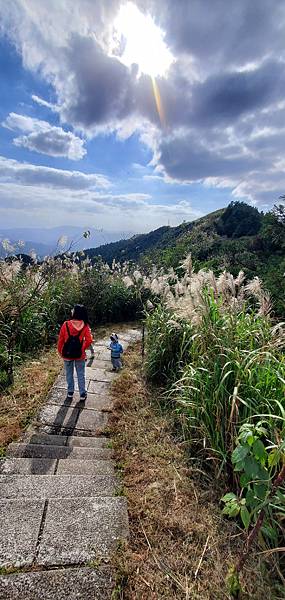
21, 401
180, 547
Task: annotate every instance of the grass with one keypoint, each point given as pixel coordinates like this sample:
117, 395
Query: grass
20, 402
176, 526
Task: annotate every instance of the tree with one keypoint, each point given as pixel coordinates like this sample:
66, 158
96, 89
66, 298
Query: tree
239, 219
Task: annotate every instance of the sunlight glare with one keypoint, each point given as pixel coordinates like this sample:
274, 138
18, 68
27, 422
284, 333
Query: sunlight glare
143, 41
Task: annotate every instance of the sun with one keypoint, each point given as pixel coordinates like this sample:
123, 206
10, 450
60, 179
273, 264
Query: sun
141, 41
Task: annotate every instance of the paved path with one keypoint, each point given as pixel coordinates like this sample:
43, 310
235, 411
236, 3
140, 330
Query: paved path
61, 513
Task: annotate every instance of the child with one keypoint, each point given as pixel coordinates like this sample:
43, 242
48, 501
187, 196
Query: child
74, 338
116, 351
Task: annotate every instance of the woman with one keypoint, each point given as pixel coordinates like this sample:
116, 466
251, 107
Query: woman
74, 338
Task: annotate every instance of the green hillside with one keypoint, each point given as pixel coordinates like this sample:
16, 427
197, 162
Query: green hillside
236, 238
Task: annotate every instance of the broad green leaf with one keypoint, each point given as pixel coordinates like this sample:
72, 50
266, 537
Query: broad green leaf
260, 490
244, 480
251, 500
239, 466
245, 516
229, 496
234, 510
251, 467
239, 454
259, 450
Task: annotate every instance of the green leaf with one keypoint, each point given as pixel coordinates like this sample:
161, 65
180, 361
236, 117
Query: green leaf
251, 467
273, 458
251, 500
260, 490
244, 480
259, 450
228, 497
245, 516
239, 466
239, 454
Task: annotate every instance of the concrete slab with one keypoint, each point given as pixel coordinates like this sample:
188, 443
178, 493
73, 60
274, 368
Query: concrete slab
93, 401
98, 387
19, 528
60, 584
58, 416
103, 355
101, 375
87, 442
78, 530
45, 451
99, 364
56, 486
28, 466
83, 467
94, 421
44, 438
68, 418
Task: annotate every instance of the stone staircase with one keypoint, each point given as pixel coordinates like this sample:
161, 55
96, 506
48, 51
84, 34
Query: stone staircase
61, 513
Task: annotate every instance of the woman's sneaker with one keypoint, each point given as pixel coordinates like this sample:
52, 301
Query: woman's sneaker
70, 395
83, 396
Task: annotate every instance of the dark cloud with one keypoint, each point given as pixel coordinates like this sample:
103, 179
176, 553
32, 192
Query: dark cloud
225, 97
101, 88
185, 158
219, 33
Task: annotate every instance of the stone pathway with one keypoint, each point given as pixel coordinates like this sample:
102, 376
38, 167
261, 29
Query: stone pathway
61, 513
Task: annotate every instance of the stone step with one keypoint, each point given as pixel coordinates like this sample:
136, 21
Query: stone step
63, 440
20, 522
58, 584
44, 438
41, 487
88, 442
80, 530
75, 530
46, 451
90, 467
69, 418
28, 466
98, 401
47, 466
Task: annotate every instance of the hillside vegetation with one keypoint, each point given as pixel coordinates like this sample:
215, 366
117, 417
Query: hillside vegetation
233, 239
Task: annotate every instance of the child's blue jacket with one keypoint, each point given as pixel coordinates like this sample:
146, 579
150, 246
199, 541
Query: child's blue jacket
116, 349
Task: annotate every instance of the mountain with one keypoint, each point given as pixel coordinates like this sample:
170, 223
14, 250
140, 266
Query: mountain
236, 238
44, 241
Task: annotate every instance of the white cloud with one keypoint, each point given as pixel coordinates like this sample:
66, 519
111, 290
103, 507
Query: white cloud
29, 175
45, 138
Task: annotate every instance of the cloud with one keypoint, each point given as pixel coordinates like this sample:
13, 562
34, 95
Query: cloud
36, 204
29, 174
45, 138
225, 87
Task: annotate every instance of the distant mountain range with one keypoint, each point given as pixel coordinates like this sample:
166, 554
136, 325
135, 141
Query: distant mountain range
44, 241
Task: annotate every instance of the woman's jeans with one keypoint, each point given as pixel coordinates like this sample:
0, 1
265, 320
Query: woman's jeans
80, 370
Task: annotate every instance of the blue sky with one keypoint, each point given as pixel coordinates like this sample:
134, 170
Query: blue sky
82, 141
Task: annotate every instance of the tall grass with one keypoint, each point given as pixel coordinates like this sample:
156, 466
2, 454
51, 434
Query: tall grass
220, 373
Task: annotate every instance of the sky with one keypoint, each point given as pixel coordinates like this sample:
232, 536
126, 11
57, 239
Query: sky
126, 116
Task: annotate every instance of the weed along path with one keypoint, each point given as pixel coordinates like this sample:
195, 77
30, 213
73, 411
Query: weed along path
61, 513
